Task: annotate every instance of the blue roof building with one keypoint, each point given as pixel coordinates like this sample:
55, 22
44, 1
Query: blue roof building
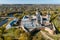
11, 23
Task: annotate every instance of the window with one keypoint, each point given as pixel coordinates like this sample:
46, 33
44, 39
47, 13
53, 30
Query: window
26, 17
44, 19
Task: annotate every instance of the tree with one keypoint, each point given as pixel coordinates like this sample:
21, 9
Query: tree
38, 36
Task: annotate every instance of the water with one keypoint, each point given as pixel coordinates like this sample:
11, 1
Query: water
3, 21
12, 13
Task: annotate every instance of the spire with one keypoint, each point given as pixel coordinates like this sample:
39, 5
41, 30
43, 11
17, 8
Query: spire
48, 15
39, 17
36, 10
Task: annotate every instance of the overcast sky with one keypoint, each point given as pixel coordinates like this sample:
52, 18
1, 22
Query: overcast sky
29, 1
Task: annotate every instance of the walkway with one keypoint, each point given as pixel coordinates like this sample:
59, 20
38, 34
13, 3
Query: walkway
46, 36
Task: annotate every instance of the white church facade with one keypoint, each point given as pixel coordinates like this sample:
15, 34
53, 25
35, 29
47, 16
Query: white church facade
37, 21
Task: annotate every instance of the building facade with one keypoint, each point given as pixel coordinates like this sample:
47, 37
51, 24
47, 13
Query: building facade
36, 21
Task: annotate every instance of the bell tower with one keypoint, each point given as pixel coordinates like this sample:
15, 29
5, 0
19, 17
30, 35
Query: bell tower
38, 17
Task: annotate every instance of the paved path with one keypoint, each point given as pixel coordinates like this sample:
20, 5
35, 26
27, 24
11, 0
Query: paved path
46, 36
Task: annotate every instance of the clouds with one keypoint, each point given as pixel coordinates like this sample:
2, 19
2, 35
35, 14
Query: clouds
29, 1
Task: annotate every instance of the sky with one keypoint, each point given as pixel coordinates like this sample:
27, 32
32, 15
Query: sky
29, 1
